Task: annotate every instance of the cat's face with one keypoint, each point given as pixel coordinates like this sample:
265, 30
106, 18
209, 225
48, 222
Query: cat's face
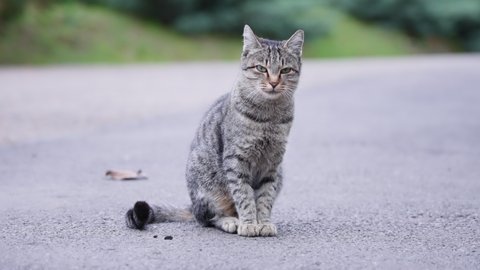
271, 68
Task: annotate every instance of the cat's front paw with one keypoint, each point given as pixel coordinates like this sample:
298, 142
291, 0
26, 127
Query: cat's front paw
249, 230
267, 229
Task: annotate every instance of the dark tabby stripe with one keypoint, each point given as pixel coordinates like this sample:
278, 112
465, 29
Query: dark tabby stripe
264, 181
237, 157
250, 115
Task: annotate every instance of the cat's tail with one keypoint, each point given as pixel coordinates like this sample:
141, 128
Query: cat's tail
142, 213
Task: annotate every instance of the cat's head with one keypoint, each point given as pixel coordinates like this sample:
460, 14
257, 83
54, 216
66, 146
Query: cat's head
271, 67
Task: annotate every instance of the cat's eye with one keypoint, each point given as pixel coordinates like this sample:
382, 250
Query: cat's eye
261, 68
286, 70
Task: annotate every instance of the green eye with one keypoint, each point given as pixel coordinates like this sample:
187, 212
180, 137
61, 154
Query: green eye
286, 70
261, 68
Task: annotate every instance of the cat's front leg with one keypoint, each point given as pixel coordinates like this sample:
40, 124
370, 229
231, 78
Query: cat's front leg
265, 196
244, 199
243, 196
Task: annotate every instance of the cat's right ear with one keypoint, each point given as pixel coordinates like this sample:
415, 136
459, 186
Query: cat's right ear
250, 40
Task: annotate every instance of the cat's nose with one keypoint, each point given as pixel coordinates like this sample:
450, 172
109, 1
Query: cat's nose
274, 84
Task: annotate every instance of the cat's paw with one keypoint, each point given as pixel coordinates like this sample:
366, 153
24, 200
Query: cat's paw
229, 224
249, 230
267, 229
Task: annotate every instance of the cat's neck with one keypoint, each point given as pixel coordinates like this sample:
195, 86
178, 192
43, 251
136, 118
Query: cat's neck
279, 108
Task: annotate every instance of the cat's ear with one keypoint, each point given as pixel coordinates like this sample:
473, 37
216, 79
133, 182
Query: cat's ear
295, 43
250, 41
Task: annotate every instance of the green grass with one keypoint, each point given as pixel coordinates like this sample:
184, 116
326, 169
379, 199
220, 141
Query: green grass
76, 33
350, 37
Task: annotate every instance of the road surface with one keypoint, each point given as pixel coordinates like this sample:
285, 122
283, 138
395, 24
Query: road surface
382, 167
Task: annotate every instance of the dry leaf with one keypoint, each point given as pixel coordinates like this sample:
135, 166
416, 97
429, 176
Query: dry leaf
125, 175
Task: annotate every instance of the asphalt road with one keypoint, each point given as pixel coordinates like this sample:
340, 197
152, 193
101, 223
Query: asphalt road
382, 167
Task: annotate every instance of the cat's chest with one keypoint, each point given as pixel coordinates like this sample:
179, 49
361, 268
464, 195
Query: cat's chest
263, 145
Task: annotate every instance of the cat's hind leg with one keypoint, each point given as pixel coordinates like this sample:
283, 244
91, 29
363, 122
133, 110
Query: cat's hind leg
226, 218
227, 224
216, 208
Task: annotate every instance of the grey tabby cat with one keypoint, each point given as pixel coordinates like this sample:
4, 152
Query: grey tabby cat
234, 168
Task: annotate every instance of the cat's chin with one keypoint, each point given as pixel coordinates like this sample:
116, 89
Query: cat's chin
271, 94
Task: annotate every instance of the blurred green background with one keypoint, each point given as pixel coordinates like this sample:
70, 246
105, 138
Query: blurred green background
86, 31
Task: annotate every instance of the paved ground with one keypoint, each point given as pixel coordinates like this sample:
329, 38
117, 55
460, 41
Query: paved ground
382, 169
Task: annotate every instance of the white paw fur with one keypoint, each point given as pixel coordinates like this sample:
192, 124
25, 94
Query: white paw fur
249, 230
228, 224
267, 229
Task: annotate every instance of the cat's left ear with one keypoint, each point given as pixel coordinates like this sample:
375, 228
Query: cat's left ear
295, 43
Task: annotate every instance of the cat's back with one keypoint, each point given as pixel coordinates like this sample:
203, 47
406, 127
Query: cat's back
210, 130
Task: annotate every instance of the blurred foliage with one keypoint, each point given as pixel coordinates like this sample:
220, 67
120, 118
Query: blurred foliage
273, 18
77, 33
9, 9
457, 20
73, 32
350, 37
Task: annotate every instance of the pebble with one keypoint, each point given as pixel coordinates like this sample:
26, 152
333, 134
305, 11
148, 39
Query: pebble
155, 236
168, 237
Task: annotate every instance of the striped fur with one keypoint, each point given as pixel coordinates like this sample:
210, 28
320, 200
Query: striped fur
234, 167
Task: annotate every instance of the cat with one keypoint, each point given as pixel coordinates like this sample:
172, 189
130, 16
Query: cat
234, 168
